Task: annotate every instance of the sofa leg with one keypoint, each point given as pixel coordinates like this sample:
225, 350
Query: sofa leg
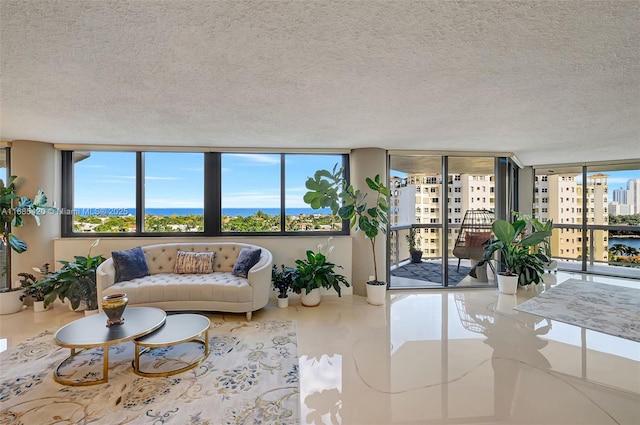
248, 316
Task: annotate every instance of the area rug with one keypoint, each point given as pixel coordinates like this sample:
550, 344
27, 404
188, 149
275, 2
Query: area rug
249, 377
431, 272
610, 309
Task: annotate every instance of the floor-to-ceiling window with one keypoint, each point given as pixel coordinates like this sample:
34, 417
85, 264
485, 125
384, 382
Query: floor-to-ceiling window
435, 209
595, 211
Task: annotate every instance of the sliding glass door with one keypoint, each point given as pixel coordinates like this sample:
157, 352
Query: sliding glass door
432, 209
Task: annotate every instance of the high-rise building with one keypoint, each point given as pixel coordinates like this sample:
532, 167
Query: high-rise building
558, 197
418, 198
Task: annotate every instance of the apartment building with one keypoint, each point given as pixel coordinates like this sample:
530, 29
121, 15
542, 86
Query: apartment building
418, 199
558, 197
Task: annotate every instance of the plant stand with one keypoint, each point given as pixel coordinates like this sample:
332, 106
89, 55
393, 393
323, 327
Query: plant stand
283, 302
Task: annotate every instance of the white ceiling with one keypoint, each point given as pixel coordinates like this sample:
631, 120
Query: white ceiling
552, 81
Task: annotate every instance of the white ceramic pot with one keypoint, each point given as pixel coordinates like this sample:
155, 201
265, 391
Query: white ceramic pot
38, 306
376, 294
283, 302
507, 284
312, 298
10, 302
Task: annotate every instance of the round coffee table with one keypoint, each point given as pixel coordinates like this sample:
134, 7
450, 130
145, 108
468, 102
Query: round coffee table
91, 331
178, 329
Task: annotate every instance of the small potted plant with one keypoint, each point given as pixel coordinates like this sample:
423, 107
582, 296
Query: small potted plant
520, 265
35, 289
282, 279
75, 281
414, 240
315, 272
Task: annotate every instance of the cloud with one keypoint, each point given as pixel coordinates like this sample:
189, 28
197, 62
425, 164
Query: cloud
161, 178
259, 158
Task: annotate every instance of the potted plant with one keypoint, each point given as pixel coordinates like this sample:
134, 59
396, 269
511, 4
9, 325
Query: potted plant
35, 289
329, 189
520, 265
75, 281
12, 210
414, 240
282, 279
315, 272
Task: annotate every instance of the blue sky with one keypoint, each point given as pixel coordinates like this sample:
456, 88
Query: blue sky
176, 180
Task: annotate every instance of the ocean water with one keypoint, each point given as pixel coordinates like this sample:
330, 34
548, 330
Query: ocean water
233, 212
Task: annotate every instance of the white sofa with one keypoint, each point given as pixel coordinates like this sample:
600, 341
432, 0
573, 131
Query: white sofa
217, 291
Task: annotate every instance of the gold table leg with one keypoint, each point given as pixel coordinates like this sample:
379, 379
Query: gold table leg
136, 361
105, 369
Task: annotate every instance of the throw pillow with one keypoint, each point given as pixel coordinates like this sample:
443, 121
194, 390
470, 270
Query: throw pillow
247, 258
130, 264
189, 262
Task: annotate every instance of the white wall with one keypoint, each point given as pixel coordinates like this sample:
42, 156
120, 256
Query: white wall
37, 165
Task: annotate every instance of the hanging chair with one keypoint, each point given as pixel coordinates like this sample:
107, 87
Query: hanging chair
474, 231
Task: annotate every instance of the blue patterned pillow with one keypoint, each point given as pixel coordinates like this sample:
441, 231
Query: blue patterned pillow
130, 264
247, 258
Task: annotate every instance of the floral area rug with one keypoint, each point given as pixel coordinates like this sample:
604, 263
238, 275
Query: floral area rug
601, 307
249, 377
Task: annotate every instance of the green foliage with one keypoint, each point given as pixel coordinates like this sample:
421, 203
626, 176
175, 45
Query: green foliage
329, 189
317, 272
516, 253
32, 287
75, 281
413, 240
282, 279
13, 208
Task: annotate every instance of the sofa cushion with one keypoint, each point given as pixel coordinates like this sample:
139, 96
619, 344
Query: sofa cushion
189, 262
130, 264
217, 286
247, 258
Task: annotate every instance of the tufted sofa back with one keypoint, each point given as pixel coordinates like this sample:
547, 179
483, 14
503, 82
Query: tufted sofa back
162, 258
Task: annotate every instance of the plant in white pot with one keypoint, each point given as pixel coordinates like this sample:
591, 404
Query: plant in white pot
282, 279
315, 272
329, 189
520, 265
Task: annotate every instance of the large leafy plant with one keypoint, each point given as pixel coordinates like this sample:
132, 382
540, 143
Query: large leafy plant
75, 281
12, 210
329, 189
315, 271
515, 248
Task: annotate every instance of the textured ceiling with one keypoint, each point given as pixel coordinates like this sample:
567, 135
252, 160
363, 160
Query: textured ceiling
551, 81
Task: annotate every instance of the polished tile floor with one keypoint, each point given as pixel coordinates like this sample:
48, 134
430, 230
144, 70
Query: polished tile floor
441, 356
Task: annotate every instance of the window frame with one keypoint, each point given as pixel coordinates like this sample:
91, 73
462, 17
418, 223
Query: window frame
212, 199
